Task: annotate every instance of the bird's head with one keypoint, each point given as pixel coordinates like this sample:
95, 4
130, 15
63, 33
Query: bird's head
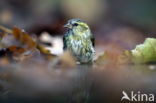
77, 25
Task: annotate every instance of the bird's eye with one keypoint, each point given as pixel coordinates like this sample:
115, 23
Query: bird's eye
75, 24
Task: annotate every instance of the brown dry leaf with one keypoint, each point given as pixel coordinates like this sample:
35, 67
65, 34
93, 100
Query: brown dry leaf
16, 50
107, 57
24, 38
125, 57
66, 60
111, 55
13, 52
17, 53
114, 58
101, 59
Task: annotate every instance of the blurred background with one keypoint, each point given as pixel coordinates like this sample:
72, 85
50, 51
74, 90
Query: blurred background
116, 24
121, 22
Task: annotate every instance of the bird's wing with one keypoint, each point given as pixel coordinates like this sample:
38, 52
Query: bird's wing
93, 40
64, 43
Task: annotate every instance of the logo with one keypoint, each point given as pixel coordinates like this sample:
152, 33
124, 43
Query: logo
138, 96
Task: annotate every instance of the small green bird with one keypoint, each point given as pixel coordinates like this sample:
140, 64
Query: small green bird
79, 41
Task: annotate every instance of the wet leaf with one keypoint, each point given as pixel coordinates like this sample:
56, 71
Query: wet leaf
24, 38
107, 58
143, 53
146, 52
66, 60
27, 43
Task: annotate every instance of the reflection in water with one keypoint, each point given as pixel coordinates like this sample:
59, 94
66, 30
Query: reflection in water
84, 84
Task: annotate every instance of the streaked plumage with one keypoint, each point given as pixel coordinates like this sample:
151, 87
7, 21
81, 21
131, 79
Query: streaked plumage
79, 40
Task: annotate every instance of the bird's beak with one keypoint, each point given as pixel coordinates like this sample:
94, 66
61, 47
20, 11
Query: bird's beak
68, 25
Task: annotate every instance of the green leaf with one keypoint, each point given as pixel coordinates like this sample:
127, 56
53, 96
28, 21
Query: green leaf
146, 52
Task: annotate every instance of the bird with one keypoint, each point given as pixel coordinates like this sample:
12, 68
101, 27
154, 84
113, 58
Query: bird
79, 40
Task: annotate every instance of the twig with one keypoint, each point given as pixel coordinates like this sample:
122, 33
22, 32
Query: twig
5, 29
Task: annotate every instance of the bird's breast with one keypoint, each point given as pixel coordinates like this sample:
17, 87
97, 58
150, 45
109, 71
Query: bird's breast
81, 48
76, 46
